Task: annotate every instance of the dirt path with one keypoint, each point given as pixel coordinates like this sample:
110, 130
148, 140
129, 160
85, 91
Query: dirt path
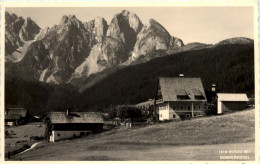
33, 146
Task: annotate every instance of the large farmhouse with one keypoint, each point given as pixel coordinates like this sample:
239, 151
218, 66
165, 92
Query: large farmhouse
228, 102
65, 125
179, 98
16, 116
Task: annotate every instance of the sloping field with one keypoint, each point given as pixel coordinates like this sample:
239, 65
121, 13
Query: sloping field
176, 139
18, 136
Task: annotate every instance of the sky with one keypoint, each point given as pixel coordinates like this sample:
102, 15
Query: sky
191, 24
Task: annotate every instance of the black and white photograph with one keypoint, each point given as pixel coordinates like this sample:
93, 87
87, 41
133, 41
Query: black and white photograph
138, 83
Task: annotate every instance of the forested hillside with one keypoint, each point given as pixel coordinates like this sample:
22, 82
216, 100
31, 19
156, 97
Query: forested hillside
39, 97
230, 67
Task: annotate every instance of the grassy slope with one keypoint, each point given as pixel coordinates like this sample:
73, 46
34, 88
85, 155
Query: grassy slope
230, 128
227, 129
22, 133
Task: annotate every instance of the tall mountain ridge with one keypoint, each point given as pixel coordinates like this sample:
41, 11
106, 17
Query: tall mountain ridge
80, 53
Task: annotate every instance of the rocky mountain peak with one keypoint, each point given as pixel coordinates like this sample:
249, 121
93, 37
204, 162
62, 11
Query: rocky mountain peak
157, 29
97, 29
72, 16
29, 30
153, 36
176, 43
18, 33
124, 27
73, 50
64, 19
71, 21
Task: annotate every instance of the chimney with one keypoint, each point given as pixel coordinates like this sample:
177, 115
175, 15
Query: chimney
68, 111
213, 87
181, 75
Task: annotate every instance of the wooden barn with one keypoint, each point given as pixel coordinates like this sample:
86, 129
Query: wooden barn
179, 98
66, 125
228, 102
16, 116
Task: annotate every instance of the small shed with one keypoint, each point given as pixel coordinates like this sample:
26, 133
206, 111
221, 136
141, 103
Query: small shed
228, 102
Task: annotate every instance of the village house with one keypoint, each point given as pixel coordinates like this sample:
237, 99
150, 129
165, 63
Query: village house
179, 98
66, 125
16, 116
146, 106
228, 102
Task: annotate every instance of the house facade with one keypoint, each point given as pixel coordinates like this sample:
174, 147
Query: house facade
179, 98
68, 125
228, 102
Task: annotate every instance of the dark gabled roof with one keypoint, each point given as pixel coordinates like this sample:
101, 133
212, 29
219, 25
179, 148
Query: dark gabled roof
145, 103
17, 111
12, 117
76, 117
174, 88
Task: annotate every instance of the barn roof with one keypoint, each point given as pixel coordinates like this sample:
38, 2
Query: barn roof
148, 102
232, 97
17, 111
76, 117
181, 89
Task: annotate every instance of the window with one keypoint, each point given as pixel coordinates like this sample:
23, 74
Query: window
181, 107
194, 107
173, 107
188, 107
199, 97
173, 116
195, 115
182, 97
199, 107
197, 94
181, 94
58, 134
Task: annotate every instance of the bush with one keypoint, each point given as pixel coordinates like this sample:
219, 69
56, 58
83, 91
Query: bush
210, 108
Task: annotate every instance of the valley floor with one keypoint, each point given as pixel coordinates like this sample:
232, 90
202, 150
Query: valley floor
198, 139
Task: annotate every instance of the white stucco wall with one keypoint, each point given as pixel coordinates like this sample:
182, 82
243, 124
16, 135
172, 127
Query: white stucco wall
219, 107
62, 135
165, 112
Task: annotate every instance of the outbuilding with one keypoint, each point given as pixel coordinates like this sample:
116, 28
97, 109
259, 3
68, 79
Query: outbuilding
228, 102
16, 116
66, 125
